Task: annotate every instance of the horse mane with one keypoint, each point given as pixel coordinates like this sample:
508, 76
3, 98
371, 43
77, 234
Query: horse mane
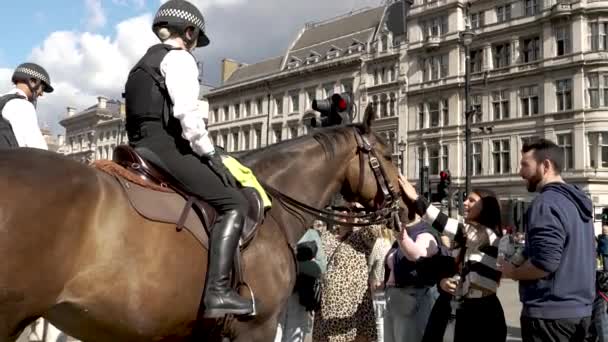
329, 138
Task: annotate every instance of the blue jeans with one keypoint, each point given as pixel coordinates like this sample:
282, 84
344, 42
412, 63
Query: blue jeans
407, 312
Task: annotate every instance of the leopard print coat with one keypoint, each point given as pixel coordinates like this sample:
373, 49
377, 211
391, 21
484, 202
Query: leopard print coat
347, 309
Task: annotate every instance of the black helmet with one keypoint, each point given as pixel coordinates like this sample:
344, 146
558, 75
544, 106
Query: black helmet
27, 71
179, 15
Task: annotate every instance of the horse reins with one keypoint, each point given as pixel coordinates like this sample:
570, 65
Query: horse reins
388, 208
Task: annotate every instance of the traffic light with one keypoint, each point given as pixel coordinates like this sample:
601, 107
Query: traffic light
335, 110
605, 216
443, 188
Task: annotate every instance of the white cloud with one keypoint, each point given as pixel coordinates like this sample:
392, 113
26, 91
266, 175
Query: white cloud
204, 4
135, 3
84, 65
96, 17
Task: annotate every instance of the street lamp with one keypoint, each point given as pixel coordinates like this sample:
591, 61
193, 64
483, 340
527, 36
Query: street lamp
466, 38
402, 147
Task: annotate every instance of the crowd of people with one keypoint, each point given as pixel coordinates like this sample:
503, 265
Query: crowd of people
439, 276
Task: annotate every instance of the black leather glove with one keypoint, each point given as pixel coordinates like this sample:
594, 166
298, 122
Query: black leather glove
215, 163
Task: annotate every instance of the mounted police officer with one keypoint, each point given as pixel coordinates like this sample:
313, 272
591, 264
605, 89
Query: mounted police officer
166, 126
19, 122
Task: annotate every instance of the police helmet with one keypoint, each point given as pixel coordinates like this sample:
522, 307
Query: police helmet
26, 71
179, 15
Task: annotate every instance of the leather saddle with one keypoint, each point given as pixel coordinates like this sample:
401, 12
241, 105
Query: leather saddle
158, 196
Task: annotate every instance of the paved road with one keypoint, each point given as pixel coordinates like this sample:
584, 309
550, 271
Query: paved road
509, 298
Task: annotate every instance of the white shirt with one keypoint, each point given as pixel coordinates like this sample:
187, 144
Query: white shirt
181, 78
22, 116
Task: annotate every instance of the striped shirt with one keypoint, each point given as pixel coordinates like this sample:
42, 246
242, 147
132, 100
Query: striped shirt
480, 273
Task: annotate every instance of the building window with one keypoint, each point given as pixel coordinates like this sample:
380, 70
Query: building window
295, 102
502, 55
531, 49
278, 136
563, 39
248, 109
476, 158
434, 68
597, 87
347, 86
278, 103
597, 36
564, 141
226, 114
311, 95
259, 104
328, 88
392, 105
476, 102
235, 141
421, 161
503, 13
531, 7
444, 63
593, 88
383, 106
434, 160
421, 116
293, 132
444, 157
500, 104
502, 156
445, 109
215, 115
477, 20
225, 141
246, 141
434, 27
476, 60
529, 100
237, 111
434, 114
257, 138
598, 149
563, 95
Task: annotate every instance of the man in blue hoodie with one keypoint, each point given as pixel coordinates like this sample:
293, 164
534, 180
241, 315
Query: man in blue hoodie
557, 282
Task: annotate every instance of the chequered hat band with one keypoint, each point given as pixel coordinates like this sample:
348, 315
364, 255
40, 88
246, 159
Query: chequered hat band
184, 15
33, 73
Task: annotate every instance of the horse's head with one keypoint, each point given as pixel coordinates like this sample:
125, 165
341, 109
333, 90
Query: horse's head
371, 177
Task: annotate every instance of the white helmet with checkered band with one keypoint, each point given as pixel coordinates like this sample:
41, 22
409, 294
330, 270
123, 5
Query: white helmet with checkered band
179, 15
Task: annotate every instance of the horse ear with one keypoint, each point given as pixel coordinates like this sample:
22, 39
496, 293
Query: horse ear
368, 118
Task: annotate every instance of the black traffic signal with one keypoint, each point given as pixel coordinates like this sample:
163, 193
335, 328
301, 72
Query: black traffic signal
335, 110
605, 216
443, 188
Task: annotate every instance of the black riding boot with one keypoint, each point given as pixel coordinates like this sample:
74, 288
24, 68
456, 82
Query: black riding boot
220, 298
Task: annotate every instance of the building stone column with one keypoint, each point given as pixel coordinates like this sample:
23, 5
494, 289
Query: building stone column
515, 50
548, 41
579, 30
487, 57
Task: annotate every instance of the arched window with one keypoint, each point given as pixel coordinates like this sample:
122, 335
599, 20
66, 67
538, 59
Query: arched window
392, 108
375, 104
383, 106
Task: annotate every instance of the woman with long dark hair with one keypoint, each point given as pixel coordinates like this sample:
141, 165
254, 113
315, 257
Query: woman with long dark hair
479, 316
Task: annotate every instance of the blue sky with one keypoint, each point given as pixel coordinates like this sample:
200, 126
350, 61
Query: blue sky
46, 16
89, 46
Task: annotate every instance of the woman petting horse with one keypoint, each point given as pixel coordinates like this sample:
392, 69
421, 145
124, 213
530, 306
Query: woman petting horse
119, 277
480, 316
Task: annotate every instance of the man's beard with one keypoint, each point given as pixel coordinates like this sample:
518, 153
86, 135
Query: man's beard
532, 183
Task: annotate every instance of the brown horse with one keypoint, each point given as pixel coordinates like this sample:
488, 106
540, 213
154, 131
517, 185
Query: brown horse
74, 251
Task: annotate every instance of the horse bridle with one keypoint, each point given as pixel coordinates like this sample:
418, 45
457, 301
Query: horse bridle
386, 213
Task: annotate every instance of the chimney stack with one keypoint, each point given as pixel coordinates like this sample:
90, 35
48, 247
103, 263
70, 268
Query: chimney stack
102, 102
71, 111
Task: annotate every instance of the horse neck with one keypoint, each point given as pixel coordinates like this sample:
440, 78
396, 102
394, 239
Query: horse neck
303, 170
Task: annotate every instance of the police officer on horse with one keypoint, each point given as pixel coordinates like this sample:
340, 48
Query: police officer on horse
18, 119
165, 126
